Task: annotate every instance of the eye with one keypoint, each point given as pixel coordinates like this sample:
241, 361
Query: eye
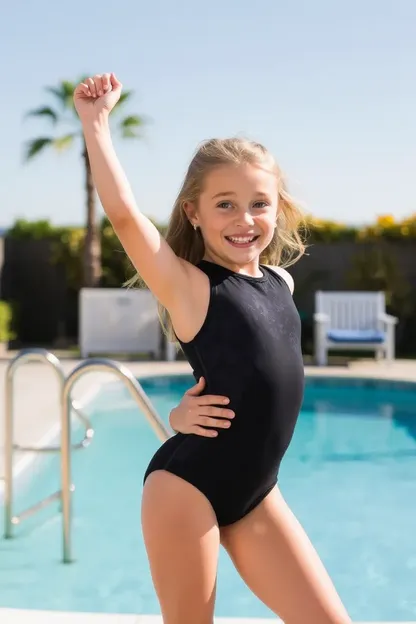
260, 204
225, 205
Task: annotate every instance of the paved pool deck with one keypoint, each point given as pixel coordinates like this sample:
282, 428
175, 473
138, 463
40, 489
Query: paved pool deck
37, 409
10, 616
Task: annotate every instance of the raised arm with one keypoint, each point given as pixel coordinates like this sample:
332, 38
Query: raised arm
165, 274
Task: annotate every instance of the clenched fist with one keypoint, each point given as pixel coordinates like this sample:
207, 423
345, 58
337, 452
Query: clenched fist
97, 95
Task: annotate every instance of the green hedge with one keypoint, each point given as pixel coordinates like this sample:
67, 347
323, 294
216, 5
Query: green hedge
373, 267
6, 316
318, 230
385, 228
68, 250
68, 242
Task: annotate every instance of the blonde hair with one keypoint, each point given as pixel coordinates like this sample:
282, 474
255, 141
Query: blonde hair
286, 246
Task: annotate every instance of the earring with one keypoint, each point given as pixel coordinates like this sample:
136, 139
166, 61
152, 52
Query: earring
195, 226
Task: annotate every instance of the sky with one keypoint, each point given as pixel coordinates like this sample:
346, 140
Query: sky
329, 86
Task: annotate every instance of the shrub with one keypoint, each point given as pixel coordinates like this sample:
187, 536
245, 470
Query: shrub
6, 316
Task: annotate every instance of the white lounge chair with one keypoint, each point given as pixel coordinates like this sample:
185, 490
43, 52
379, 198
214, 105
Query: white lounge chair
353, 321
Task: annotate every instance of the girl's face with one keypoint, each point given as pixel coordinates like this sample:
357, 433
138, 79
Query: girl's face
237, 213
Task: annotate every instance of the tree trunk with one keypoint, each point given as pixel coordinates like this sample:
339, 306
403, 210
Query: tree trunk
92, 251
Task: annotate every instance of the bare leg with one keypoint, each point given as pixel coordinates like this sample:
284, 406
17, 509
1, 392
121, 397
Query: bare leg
277, 561
182, 541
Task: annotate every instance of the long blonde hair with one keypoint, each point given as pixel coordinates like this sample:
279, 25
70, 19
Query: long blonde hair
286, 246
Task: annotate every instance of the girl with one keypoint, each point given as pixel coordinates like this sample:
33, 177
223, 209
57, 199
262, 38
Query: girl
228, 302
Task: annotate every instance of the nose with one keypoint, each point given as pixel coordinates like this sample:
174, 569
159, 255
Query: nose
244, 219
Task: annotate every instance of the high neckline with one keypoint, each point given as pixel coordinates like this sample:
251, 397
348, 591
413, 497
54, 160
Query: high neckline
251, 278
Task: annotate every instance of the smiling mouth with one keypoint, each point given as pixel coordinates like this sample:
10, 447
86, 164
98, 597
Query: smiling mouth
241, 241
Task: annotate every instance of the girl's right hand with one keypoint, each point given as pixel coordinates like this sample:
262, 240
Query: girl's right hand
97, 95
195, 412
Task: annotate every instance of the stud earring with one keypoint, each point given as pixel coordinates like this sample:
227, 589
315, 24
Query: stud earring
195, 226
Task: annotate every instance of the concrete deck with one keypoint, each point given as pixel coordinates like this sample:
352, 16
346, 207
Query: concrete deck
10, 616
37, 411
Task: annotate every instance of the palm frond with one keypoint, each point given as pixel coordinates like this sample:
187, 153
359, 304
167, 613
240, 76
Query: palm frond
125, 95
62, 143
63, 93
56, 91
35, 146
131, 126
44, 111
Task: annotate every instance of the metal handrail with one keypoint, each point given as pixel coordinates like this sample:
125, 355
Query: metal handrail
24, 356
138, 394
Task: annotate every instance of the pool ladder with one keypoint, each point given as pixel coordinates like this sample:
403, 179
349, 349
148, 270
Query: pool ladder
66, 446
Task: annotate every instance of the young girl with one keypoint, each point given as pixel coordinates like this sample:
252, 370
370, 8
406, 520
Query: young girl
228, 303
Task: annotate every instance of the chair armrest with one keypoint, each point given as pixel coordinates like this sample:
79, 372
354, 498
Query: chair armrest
388, 319
320, 317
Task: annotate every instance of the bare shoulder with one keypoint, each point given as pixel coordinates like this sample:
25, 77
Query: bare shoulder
286, 276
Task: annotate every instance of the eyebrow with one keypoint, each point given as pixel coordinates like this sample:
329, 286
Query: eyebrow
223, 194
229, 193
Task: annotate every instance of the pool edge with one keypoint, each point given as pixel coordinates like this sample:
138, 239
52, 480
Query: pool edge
22, 616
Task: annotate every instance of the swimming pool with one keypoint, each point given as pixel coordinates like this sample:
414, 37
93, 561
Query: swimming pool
349, 475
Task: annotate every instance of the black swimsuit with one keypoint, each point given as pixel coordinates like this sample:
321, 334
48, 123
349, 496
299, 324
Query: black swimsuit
248, 349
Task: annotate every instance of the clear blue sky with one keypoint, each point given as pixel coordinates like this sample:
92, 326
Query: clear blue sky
328, 85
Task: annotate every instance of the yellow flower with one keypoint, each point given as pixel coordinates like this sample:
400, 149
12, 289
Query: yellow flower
385, 221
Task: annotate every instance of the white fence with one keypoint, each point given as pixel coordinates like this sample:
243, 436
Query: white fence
117, 320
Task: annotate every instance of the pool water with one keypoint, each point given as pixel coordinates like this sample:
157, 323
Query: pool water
349, 476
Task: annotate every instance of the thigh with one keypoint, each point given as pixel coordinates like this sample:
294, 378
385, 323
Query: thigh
182, 541
278, 562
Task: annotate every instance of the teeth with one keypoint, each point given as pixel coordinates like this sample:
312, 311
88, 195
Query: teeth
241, 239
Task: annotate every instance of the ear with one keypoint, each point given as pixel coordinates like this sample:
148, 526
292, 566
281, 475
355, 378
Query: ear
189, 209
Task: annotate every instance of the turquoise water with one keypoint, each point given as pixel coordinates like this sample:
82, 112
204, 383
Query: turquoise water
349, 475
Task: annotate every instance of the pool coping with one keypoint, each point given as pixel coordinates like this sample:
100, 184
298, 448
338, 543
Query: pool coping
19, 616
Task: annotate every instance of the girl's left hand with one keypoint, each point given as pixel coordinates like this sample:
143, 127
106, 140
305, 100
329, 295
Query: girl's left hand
194, 413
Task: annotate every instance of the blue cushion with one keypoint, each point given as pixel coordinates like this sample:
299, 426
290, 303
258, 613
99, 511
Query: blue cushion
356, 335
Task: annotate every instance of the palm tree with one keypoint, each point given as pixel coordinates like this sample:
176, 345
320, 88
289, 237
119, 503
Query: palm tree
129, 126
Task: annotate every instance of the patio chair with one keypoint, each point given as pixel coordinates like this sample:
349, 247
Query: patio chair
352, 321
